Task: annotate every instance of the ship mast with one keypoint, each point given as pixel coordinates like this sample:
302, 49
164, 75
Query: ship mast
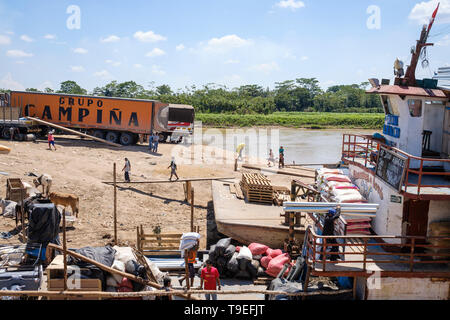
410, 76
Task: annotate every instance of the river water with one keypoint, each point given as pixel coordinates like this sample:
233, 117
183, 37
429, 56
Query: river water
301, 145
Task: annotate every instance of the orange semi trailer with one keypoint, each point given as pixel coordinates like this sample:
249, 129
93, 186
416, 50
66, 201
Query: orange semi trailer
117, 120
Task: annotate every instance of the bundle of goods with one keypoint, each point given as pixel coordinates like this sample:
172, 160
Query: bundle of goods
257, 188
189, 241
338, 188
256, 260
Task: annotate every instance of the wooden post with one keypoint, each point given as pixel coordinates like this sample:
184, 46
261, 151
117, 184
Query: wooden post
64, 249
138, 240
293, 190
186, 269
115, 205
192, 210
411, 257
235, 164
187, 191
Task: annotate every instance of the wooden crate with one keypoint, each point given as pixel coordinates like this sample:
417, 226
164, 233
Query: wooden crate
55, 280
15, 190
257, 188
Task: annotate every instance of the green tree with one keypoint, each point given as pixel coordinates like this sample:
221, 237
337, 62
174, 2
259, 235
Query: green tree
71, 87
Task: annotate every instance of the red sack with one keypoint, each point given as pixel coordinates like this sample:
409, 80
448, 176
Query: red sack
125, 286
257, 248
276, 265
273, 253
238, 249
265, 261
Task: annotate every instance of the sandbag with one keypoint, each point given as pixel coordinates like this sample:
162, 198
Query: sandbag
222, 245
257, 248
257, 257
123, 254
212, 253
120, 266
336, 177
251, 269
265, 261
261, 272
242, 264
238, 248
243, 274
274, 253
229, 251
277, 263
233, 264
245, 253
222, 262
256, 263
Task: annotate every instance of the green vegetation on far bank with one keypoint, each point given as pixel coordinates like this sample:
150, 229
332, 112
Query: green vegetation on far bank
312, 120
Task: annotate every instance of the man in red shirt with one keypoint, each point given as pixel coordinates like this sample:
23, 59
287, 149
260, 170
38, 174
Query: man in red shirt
210, 276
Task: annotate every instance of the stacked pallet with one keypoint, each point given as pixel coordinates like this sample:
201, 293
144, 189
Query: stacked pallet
257, 188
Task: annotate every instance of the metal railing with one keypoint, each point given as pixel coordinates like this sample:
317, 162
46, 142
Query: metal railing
358, 149
358, 251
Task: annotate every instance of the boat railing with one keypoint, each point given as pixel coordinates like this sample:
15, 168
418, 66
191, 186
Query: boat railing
355, 253
358, 149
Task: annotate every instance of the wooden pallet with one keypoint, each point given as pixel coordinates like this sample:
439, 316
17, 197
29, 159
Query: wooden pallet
257, 188
167, 242
15, 190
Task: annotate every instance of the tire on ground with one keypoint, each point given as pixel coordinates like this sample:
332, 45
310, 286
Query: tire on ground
126, 138
99, 134
5, 133
112, 136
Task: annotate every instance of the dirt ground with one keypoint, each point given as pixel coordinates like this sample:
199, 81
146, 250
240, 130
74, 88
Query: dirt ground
79, 167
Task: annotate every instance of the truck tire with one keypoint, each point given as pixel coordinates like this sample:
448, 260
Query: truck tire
5, 133
112, 136
162, 137
99, 134
126, 138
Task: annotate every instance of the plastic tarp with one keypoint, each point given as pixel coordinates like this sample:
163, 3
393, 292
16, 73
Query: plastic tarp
43, 225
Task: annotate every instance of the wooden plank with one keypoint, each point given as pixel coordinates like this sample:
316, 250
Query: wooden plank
173, 181
160, 248
159, 241
163, 235
74, 132
85, 285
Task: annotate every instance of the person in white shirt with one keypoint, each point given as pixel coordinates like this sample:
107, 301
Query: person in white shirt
127, 169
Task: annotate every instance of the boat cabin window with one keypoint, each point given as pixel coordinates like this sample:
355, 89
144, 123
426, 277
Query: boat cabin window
388, 106
415, 107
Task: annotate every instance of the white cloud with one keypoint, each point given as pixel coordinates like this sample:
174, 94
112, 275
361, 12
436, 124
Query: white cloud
423, 11
226, 43
445, 41
304, 58
80, 51
113, 63
231, 61
137, 65
9, 83
180, 47
104, 74
292, 4
50, 37
4, 40
111, 38
18, 54
148, 36
77, 68
266, 67
157, 70
9, 32
26, 38
155, 53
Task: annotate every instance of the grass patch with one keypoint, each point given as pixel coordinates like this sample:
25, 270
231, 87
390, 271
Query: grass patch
310, 120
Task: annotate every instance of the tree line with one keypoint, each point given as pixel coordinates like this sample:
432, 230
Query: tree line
299, 95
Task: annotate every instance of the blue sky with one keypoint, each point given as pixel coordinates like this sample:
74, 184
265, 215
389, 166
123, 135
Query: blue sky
184, 43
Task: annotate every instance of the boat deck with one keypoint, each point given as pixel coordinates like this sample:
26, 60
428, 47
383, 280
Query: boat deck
248, 222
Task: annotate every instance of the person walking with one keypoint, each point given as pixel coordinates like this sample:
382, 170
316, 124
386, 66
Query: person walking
155, 142
271, 158
191, 257
281, 160
211, 279
150, 143
127, 169
173, 169
51, 140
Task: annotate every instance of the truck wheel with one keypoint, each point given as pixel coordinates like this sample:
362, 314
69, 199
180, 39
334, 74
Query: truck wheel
126, 139
99, 134
162, 137
6, 134
112, 136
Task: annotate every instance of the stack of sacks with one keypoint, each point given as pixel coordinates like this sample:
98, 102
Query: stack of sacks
188, 241
337, 187
220, 254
